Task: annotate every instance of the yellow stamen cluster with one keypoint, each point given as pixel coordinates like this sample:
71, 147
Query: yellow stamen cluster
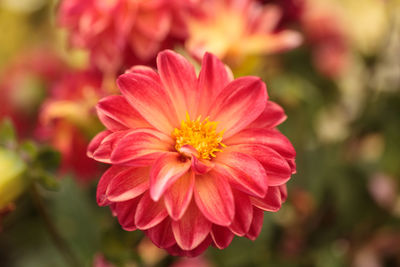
201, 135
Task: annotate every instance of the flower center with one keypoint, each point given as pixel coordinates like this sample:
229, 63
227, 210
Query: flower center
201, 135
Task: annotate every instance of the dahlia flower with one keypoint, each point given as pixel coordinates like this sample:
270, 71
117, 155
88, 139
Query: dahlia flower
68, 120
233, 29
195, 160
120, 32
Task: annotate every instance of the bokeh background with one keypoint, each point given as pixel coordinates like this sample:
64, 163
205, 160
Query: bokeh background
340, 89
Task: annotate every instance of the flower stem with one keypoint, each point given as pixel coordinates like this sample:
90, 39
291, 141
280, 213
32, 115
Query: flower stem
57, 239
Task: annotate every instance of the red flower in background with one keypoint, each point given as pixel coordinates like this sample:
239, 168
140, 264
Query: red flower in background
24, 84
68, 120
233, 29
120, 33
196, 160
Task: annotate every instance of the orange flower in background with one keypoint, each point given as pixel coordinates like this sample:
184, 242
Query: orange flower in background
233, 29
196, 160
67, 119
119, 33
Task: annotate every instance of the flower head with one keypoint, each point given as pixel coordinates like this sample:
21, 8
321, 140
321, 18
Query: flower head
196, 160
67, 119
233, 29
119, 32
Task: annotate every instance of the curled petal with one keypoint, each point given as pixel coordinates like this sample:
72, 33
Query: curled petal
119, 110
140, 147
179, 78
283, 190
149, 213
243, 172
221, 236
256, 224
107, 145
191, 229
272, 116
271, 202
161, 234
178, 196
214, 198
177, 251
128, 184
200, 166
125, 211
94, 144
239, 104
165, 171
104, 182
150, 99
243, 214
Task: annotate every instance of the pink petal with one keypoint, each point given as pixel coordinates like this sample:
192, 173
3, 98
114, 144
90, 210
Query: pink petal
119, 110
269, 137
179, 195
104, 150
161, 234
175, 250
149, 213
284, 194
221, 236
256, 224
242, 171
292, 164
179, 78
105, 180
271, 202
128, 184
239, 104
213, 78
214, 198
94, 144
146, 71
150, 99
243, 214
200, 166
277, 168
191, 229
141, 147
125, 211
272, 116
110, 123
165, 171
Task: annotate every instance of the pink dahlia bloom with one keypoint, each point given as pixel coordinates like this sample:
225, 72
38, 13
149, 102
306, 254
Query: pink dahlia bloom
196, 160
118, 33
